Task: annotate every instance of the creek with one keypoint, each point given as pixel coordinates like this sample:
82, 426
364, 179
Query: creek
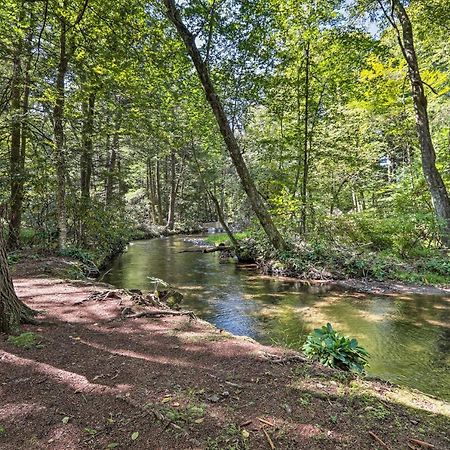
407, 336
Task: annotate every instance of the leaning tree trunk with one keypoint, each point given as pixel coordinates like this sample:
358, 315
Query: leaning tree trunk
433, 178
222, 220
12, 311
257, 203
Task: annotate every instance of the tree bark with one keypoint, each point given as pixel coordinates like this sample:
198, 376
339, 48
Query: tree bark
436, 186
159, 193
15, 217
87, 148
222, 220
112, 164
12, 311
304, 188
87, 107
58, 132
173, 192
257, 203
151, 192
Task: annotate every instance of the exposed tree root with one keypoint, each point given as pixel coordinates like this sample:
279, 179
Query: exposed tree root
277, 359
158, 313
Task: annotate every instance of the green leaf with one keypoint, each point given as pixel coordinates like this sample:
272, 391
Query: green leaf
65, 420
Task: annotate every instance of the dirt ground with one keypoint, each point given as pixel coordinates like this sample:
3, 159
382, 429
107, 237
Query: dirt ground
101, 381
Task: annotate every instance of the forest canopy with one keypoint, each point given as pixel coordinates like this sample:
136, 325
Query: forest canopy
324, 124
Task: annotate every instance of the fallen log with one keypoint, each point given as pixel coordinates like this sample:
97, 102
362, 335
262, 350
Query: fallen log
220, 248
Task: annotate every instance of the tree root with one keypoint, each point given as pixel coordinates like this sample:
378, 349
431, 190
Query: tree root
277, 359
159, 313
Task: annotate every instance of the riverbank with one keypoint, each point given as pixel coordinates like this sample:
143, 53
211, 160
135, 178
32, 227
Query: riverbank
97, 380
367, 272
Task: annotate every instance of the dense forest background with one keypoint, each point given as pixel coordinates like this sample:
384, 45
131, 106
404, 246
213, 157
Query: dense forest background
106, 134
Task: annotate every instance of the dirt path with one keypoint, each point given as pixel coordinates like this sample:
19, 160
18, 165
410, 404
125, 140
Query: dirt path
101, 382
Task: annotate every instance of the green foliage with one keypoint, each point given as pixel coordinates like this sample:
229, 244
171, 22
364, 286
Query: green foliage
77, 253
335, 350
222, 238
26, 340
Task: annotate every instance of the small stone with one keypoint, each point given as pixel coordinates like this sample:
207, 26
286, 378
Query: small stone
214, 398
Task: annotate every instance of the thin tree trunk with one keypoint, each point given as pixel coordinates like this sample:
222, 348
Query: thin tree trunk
173, 192
151, 192
434, 180
222, 220
87, 148
158, 192
257, 203
58, 131
306, 138
112, 165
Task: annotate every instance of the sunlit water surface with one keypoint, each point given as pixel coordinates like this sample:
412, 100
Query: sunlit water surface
408, 336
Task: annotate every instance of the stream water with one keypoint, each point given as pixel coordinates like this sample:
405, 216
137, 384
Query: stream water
408, 336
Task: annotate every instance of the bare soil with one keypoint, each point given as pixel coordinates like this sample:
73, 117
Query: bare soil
99, 380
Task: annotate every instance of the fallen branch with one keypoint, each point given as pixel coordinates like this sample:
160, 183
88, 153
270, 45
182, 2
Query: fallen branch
272, 446
374, 436
422, 443
246, 423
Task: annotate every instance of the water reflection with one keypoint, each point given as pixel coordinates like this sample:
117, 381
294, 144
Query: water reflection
408, 337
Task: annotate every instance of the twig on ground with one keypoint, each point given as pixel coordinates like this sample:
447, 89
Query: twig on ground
266, 422
422, 443
272, 446
374, 436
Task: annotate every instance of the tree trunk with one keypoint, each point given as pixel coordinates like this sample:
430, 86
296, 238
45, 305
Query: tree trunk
257, 203
158, 192
58, 131
173, 192
434, 180
87, 148
12, 311
306, 138
222, 220
151, 192
112, 165
16, 195
87, 107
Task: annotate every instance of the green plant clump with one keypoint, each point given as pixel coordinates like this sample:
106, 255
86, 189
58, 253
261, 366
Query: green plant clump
335, 350
26, 340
